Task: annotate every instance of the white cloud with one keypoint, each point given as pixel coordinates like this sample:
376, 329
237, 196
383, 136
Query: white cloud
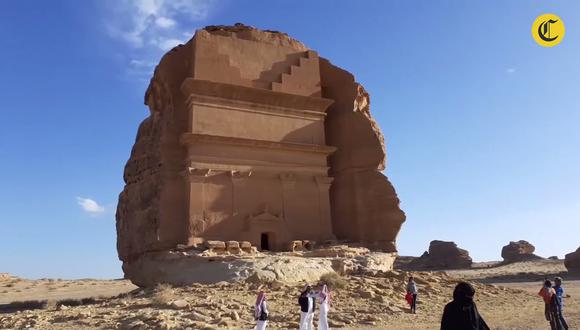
147, 28
167, 44
90, 206
510, 70
164, 22
141, 63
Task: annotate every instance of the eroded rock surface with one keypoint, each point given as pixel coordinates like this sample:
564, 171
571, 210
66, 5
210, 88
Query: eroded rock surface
253, 138
373, 301
572, 261
443, 255
185, 267
365, 206
518, 251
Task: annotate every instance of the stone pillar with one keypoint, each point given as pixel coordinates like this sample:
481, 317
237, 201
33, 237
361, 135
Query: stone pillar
288, 181
323, 183
237, 178
196, 178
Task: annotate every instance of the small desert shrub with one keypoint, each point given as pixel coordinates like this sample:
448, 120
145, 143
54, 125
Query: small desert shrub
45, 304
162, 294
333, 280
26, 305
49, 305
69, 302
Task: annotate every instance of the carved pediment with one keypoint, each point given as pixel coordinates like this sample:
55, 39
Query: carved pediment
265, 217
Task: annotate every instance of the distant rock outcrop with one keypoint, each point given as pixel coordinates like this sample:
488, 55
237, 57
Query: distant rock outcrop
443, 255
572, 261
519, 251
5, 276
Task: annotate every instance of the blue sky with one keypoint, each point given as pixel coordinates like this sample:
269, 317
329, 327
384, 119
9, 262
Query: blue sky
482, 124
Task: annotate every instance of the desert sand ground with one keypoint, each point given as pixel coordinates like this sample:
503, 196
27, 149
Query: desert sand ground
16, 289
506, 297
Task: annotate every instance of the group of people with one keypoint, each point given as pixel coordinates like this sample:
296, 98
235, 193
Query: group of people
554, 303
461, 313
307, 302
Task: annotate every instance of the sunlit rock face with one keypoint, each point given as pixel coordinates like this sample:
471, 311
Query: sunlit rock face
443, 255
519, 251
252, 137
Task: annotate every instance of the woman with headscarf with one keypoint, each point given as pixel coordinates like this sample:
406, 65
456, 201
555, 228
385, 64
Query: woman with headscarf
462, 312
261, 311
546, 293
307, 306
324, 297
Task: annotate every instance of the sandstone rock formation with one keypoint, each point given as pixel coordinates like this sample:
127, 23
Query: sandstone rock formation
572, 261
443, 255
518, 251
187, 266
253, 138
365, 206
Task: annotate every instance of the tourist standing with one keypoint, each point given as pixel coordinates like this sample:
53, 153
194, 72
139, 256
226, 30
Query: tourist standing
261, 311
557, 305
462, 312
546, 292
307, 306
412, 291
324, 297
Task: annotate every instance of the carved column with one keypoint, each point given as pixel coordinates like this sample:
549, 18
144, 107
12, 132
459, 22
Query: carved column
237, 179
323, 183
196, 178
288, 181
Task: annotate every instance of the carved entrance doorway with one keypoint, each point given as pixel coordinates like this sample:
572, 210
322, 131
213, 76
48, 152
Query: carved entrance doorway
264, 242
267, 231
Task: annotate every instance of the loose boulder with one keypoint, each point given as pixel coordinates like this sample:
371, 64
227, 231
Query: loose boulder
518, 251
572, 261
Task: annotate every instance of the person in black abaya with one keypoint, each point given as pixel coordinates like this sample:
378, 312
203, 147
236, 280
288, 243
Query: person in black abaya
461, 313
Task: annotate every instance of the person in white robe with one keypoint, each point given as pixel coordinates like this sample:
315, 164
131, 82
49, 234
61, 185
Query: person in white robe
324, 298
307, 303
261, 311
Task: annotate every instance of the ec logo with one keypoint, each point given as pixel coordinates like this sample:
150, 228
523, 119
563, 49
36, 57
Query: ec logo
548, 30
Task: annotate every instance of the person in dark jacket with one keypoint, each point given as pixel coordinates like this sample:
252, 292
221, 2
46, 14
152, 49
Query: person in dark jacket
307, 306
557, 306
461, 313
